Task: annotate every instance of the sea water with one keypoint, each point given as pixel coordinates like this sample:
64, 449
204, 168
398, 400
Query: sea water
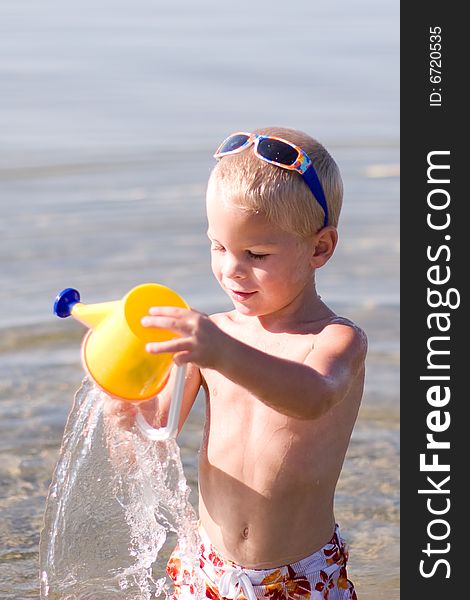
109, 240
114, 498
110, 114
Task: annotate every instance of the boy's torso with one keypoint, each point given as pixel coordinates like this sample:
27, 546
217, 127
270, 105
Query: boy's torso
267, 480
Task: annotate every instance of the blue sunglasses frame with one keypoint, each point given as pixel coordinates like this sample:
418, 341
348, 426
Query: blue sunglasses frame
302, 164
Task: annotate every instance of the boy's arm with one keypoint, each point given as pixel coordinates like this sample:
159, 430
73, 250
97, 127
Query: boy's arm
192, 383
304, 390
156, 410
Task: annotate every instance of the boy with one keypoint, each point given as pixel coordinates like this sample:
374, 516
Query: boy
283, 376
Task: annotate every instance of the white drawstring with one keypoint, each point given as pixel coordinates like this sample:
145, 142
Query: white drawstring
233, 581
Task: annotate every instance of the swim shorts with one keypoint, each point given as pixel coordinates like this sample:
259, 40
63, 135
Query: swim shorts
321, 576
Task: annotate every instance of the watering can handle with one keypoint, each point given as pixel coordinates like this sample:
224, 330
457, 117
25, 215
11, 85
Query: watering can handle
171, 429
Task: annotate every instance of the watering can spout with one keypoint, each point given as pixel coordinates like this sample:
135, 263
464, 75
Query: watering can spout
65, 301
68, 303
92, 315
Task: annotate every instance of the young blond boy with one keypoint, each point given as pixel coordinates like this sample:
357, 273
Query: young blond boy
282, 373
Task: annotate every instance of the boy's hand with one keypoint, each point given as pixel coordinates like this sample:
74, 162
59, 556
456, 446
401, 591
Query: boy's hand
121, 413
200, 340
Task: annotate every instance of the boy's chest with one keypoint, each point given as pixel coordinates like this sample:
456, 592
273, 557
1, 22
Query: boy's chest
283, 345
225, 396
231, 405
254, 442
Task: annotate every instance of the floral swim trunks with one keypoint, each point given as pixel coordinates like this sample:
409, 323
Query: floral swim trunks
321, 576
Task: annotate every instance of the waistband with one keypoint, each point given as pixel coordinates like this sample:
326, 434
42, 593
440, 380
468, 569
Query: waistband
231, 579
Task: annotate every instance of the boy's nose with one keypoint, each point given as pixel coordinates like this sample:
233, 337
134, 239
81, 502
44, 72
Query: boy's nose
232, 268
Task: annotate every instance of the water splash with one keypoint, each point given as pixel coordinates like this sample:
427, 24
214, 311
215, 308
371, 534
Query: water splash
113, 499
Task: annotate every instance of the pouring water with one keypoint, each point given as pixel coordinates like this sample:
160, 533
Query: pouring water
116, 494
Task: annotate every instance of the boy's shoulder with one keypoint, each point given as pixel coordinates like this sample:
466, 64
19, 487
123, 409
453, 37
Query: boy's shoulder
345, 322
340, 334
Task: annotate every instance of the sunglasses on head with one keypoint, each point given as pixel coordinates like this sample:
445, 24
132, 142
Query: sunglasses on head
281, 153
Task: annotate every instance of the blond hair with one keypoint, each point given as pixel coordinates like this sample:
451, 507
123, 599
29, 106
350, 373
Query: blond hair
285, 200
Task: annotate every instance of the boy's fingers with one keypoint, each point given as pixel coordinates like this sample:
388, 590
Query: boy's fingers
161, 322
181, 358
175, 345
169, 311
183, 326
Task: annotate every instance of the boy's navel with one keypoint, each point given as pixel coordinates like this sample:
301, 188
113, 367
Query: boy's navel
245, 533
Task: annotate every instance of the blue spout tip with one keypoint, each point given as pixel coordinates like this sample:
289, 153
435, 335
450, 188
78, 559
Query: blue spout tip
65, 301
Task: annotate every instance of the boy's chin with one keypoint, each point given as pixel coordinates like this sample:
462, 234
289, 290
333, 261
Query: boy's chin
245, 310
249, 311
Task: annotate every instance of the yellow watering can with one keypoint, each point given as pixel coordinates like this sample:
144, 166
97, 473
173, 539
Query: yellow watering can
113, 350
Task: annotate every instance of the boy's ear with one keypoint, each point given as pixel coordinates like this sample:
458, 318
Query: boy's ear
324, 244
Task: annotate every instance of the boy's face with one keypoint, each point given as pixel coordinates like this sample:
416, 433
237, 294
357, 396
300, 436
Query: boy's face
262, 268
